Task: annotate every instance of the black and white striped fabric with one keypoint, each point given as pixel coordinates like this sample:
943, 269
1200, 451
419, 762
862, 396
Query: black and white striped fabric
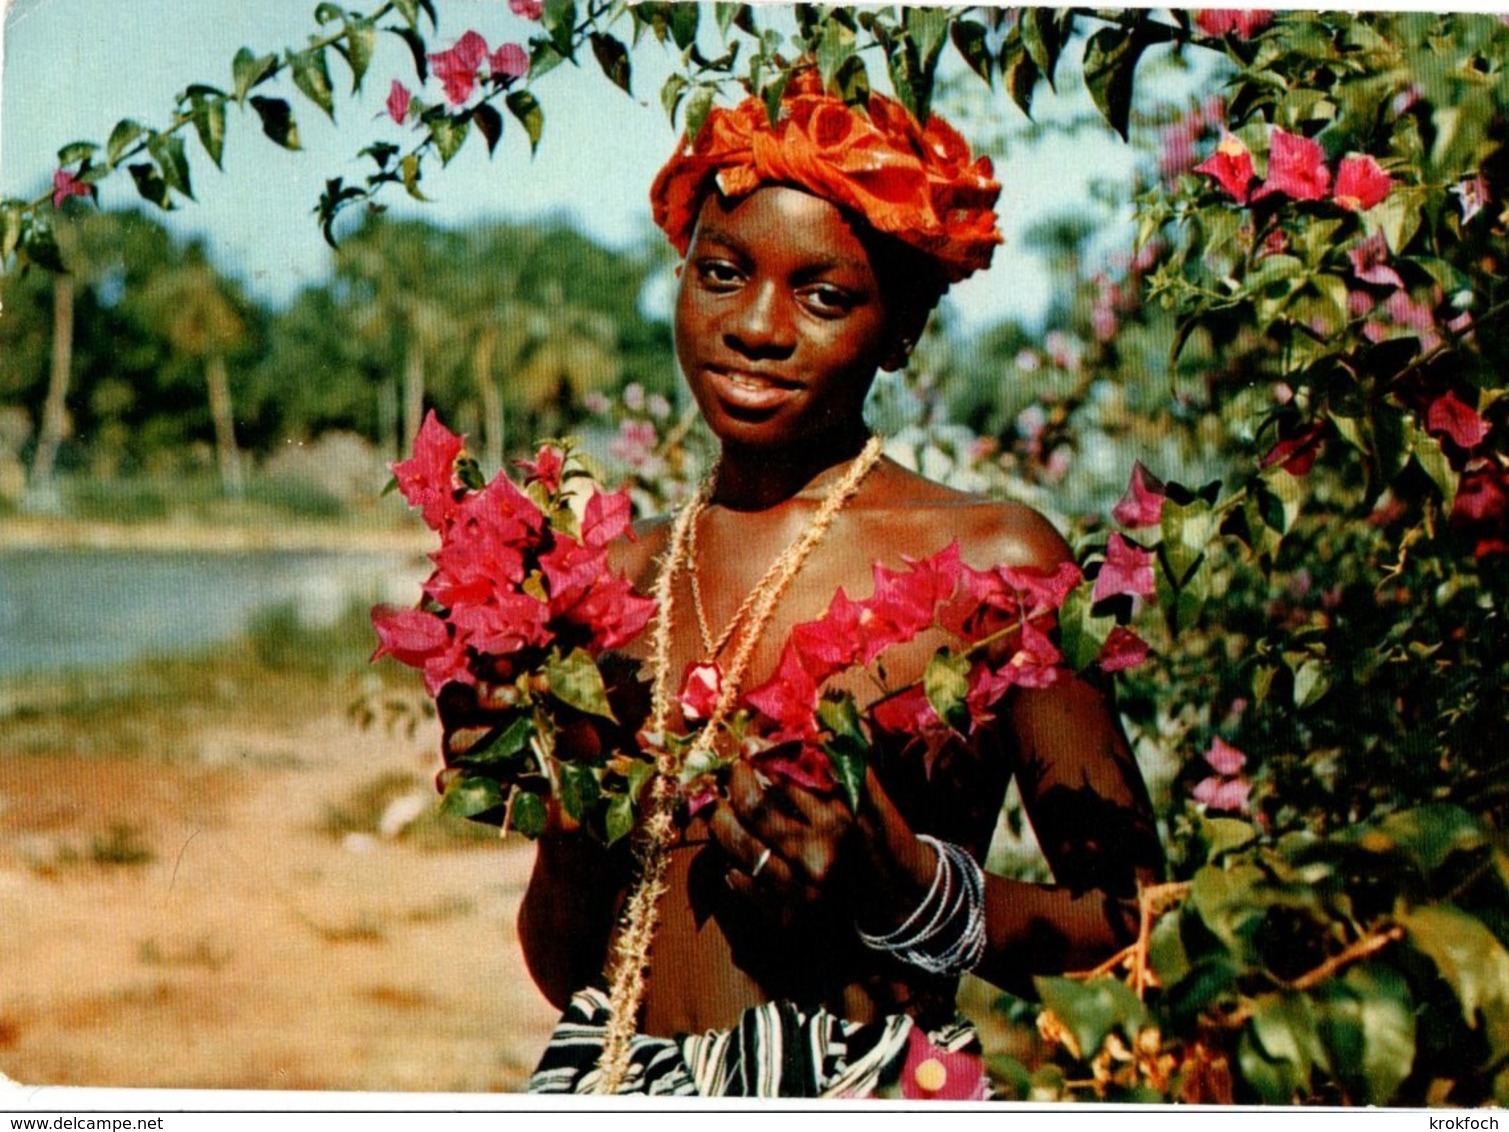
776, 1050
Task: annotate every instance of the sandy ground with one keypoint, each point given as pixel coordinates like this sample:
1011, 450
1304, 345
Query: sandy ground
190, 924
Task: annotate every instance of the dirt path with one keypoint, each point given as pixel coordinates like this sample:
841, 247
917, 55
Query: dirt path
195, 923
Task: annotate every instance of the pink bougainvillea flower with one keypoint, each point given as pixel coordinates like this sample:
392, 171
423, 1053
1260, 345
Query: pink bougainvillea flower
701, 686
1231, 167
422, 640
1296, 453
1228, 788
1370, 262
1243, 23
1481, 508
484, 549
1123, 649
65, 184
1128, 569
607, 516
1472, 194
409, 636
509, 61
1405, 316
1223, 794
1361, 183
1452, 418
1296, 168
788, 699
428, 478
507, 623
544, 469
1224, 758
835, 641
529, 9
1142, 504
457, 68
398, 102
805, 764
931, 1073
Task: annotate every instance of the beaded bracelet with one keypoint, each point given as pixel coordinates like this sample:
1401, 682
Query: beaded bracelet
951, 939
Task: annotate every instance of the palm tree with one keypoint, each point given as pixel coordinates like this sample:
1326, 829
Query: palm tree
200, 313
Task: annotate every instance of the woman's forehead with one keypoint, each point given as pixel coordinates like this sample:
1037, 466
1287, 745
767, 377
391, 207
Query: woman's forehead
780, 219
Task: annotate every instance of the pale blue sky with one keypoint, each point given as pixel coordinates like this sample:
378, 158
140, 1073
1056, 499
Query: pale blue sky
72, 68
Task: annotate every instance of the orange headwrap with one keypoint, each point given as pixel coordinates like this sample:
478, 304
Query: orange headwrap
918, 184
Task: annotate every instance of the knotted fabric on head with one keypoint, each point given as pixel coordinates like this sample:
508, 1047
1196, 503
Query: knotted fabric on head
918, 184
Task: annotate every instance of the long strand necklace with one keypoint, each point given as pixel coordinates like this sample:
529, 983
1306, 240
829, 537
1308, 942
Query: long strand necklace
632, 950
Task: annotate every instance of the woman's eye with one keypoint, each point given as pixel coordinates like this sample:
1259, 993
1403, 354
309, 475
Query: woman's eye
829, 300
718, 273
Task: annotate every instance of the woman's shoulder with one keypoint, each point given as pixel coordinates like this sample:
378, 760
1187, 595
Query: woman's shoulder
910, 513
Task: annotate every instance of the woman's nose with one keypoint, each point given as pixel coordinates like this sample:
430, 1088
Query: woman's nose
762, 325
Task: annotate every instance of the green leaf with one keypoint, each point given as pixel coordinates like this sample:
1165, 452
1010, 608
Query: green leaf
1280, 1047
969, 41
697, 108
613, 57
409, 10
1042, 38
526, 108
1110, 61
928, 29
683, 24
126, 131
449, 134
209, 123
311, 74
849, 749
527, 815
1092, 1009
618, 818
361, 43
945, 682
411, 173
1081, 633
1187, 531
672, 91
1472, 961
1432, 461
149, 184
10, 231
75, 151
576, 681
1433, 832
504, 744
468, 795
1366, 1019
558, 19
249, 69
489, 124
418, 50
277, 120
1311, 681
167, 151
834, 49
579, 791
1019, 71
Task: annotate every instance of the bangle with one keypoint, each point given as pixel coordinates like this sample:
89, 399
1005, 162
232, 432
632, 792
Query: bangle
951, 939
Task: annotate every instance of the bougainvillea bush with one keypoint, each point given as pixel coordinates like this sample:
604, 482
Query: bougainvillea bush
1298, 367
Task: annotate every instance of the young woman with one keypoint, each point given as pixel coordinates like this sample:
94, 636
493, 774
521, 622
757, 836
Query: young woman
802, 948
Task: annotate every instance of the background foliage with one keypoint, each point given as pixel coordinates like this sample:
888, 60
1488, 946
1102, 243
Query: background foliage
1303, 347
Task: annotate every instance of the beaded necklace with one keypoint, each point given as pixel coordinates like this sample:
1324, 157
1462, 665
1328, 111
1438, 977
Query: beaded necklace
632, 950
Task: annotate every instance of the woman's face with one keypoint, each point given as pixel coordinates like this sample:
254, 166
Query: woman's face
780, 322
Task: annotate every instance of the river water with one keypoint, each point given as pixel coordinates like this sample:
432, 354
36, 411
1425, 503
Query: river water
76, 608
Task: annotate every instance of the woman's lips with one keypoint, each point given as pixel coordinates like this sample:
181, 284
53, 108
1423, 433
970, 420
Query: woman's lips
750, 391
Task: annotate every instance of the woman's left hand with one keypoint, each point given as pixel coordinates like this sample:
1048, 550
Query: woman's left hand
785, 843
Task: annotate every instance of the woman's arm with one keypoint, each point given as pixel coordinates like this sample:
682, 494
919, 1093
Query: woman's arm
568, 912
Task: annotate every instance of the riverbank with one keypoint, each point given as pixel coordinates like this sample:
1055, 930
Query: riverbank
212, 877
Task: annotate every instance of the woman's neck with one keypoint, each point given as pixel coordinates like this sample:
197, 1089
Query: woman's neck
757, 479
